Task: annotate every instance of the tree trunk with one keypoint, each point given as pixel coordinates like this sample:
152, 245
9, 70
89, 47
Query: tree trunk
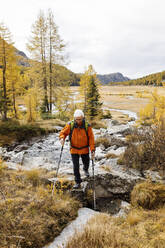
4, 117
14, 101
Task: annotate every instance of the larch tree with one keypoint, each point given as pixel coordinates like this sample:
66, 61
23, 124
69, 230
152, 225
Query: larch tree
37, 47
7, 58
55, 47
84, 81
15, 87
154, 111
46, 48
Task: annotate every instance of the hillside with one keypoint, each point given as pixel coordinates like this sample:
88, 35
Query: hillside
66, 74
74, 78
155, 79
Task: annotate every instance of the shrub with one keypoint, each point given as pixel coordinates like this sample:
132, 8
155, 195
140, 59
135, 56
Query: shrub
149, 153
107, 115
33, 176
132, 157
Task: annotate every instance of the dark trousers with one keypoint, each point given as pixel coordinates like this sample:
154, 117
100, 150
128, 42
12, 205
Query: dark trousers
76, 165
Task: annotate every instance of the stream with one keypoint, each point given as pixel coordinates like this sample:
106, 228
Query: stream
44, 152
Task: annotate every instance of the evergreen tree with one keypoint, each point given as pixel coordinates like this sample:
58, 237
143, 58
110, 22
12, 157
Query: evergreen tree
93, 107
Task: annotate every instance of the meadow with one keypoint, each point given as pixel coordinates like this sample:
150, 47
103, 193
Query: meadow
133, 98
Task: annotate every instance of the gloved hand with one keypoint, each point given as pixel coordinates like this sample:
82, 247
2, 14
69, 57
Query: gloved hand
62, 141
92, 155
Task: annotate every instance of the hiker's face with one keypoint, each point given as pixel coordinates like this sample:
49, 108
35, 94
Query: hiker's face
79, 120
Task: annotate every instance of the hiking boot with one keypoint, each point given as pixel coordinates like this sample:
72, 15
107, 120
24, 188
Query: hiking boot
77, 186
86, 173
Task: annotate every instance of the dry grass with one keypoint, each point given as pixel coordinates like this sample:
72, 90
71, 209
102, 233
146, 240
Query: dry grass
29, 215
132, 138
131, 98
98, 124
119, 96
106, 168
111, 155
140, 229
103, 141
148, 195
10, 132
50, 124
33, 176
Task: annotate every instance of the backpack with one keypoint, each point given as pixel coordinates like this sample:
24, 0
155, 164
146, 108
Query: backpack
73, 125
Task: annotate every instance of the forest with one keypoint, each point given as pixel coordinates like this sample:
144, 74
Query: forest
39, 88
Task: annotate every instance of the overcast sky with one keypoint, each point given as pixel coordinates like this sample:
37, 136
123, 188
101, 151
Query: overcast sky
126, 36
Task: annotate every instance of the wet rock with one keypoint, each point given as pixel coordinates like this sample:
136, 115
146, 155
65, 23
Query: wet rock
20, 148
124, 209
101, 192
118, 151
58, 128
115, 122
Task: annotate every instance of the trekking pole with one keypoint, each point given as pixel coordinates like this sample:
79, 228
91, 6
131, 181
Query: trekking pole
94, 193
57, 168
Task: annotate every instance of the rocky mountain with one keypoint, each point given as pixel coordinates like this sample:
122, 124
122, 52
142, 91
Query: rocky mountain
112, 77
23, 59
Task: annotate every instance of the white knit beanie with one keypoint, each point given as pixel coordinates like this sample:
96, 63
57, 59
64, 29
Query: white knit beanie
78, 113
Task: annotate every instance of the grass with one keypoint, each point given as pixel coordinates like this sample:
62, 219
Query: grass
111, 155
29, 215
10, 132
111, 96
98, 124
106, 168
50, 124
104, 141
141, 229
148, 195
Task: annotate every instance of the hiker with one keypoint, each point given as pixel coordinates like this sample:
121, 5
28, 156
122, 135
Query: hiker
81, 139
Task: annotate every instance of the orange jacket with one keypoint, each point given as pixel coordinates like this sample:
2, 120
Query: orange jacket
79, 139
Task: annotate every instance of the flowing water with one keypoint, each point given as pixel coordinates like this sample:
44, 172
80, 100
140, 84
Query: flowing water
45, 151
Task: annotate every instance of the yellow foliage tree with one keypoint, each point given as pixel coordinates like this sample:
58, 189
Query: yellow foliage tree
154, 112
32, 102
6, 59
11, 84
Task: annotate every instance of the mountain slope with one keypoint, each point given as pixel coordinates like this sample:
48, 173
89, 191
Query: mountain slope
75, 77
112, 77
